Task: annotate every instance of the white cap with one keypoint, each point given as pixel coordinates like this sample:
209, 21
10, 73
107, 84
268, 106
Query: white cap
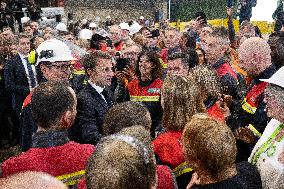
124, 26
25, 20
134, 28
53, 50
61, 27
92, 25
85, 34
141, 18
277, 78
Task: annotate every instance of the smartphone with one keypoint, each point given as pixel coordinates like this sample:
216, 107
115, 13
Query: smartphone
122, 63
155, 33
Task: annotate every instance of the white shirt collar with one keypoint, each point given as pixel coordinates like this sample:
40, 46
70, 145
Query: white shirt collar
98, 88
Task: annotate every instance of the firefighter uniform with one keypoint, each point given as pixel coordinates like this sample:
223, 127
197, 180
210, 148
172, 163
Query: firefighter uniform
149, 94
168, 151
52, 153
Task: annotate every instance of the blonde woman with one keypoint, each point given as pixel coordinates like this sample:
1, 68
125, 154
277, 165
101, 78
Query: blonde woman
123, 161
210, 149
180, 100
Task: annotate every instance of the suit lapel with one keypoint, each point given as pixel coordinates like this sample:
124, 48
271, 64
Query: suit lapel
20, 64
97, 96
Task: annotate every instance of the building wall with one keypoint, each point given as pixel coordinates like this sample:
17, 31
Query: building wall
123, 10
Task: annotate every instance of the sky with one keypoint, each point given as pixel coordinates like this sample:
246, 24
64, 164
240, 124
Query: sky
264, 10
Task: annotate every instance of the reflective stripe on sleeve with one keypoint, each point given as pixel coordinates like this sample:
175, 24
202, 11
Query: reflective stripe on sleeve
254, 130
71, 178
182, 169
144, 98
247, 107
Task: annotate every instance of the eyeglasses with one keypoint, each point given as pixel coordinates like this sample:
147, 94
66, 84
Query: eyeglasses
63, 67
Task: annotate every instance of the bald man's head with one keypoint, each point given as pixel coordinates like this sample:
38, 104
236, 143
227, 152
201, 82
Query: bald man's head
254, 54
31, 180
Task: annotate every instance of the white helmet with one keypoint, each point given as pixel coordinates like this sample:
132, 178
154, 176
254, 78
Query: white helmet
124, 26
85, 34
277, 78
53, 50
141, 18
92, 25
25, 20
61, 27
134, 28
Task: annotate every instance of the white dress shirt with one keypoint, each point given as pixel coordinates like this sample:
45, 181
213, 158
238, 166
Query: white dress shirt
98, 89
26, 69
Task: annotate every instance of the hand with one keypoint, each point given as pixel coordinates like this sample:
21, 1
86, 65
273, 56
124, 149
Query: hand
228, 100
281, 158
1, 67
230, 12
120, 77
194, 181
245, 134
128, 73
224, 108
147, 34
282, 28
199, 21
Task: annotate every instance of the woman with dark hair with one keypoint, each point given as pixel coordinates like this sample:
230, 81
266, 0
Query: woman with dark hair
146, 87
201, 56
187, 41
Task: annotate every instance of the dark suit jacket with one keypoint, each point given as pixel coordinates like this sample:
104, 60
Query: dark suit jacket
16, 82
91, 109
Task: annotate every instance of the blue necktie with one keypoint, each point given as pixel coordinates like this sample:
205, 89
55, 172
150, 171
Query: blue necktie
31, 73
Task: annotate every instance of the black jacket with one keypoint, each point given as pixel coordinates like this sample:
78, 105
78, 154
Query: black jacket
228, 78
16, 82
247, 178
240, 118
278, 15
91, 109
28, 125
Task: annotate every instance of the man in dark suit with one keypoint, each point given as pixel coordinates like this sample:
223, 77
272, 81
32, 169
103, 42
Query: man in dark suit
94, 100
20, 75
20, 78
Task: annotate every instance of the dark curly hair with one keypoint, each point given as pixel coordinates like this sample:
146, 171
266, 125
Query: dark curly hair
154, 58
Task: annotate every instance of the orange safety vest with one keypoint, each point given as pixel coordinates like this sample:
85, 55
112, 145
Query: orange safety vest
149, 93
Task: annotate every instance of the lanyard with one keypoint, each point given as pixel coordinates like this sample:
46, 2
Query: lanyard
269, 146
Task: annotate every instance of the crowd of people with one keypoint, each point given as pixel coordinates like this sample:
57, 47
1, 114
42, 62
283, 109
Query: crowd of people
133, 105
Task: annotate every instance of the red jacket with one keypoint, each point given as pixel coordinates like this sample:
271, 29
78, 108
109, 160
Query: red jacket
58, 161
168, 148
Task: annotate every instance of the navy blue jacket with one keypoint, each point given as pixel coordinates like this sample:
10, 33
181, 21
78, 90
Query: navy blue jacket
91, 109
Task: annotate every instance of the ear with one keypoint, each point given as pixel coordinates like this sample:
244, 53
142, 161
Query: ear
66, 120
43, 69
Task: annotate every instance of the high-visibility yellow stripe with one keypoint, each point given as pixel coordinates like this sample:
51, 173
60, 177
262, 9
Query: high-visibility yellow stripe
71, 178
144, 98
247, 107
254, 130
79, 72
165, 66
182, 169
